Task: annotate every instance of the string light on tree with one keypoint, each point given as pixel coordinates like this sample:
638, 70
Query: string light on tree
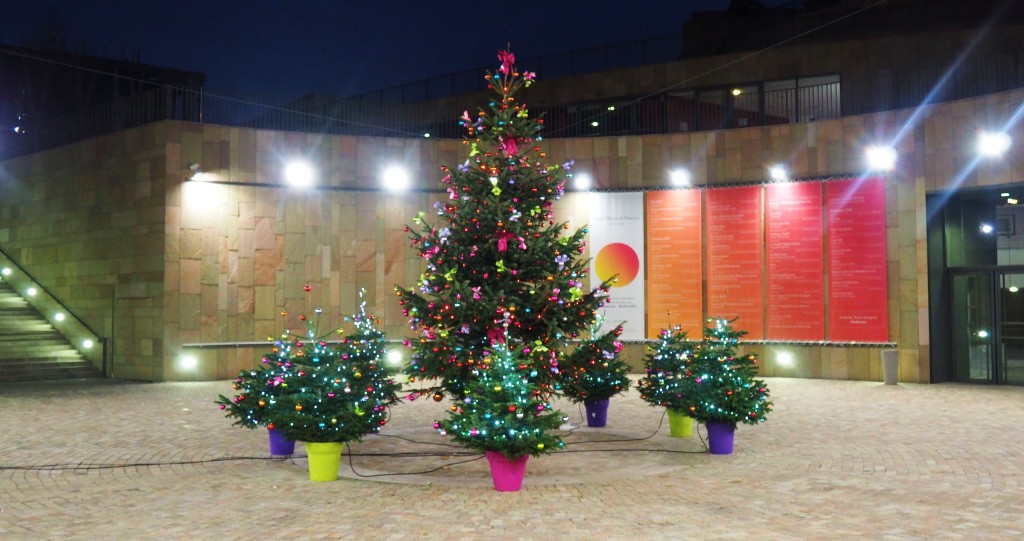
498, 267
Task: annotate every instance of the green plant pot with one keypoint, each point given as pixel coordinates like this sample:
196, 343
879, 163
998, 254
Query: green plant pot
680, 425
324, 459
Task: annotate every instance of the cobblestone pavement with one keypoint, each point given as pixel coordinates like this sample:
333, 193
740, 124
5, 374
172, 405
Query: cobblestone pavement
836, 460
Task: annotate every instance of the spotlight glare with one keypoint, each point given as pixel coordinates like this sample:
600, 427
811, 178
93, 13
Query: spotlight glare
1014, 289
395, 178
1011, 201
299, 174
784, 359
679, 177
611, 107
736, 91
189, 362
986, 229
59, 316
582, 181
595, 123
777, 172
983, 334
993, 145
394, 357
86, 343
881, 158
31, 292
6, 271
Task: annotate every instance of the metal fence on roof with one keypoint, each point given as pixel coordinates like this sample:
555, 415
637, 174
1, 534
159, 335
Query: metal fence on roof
679, 110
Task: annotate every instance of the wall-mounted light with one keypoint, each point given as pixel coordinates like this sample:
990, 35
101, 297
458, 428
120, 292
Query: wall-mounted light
6, 271
986, 229
188, 362
299, 173
394, 357
784, 359
87, 344
395, 178
679, 177
880, 158
31, 292
59, 316
582, 181
778, 173
993, 145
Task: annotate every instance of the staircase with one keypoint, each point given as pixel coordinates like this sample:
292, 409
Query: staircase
31, 349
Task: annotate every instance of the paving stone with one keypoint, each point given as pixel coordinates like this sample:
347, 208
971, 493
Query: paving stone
836, 460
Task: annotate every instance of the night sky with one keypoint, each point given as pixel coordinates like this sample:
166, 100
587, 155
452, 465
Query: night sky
290, 47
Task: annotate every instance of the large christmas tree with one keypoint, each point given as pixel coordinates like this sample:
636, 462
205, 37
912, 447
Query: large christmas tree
498, 266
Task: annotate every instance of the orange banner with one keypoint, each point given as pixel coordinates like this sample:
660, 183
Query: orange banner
735, 265
674, 290
795, 261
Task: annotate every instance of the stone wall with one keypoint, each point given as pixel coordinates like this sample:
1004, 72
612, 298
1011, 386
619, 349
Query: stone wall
189, 265
87, 221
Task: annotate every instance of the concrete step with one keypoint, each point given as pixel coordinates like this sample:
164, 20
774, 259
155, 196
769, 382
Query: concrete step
50, 370
31, 349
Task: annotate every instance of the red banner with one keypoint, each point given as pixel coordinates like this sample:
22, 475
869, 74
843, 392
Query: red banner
735, 270
796, 262
857, 293
674, 290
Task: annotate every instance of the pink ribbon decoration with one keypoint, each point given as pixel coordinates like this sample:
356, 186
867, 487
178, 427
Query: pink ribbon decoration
503, 239
509, 146
496, 335
507, 59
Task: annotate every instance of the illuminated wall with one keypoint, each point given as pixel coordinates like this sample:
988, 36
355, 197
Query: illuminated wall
113, 225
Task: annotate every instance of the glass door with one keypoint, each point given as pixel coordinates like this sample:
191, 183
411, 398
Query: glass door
1011, 312
973, 326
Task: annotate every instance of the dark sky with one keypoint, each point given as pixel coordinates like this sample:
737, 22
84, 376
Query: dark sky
290, 47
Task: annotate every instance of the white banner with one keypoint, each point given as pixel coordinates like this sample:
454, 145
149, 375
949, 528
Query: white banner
617, 248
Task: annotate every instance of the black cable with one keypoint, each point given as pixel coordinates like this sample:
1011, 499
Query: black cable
86, 466
632, 451
419, 442
441, 467
93, 466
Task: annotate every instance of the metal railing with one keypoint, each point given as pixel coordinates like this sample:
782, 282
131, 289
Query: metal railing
683, 110
552, 66
75, 329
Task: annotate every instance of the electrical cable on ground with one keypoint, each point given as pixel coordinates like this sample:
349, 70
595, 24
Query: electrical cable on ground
87, 466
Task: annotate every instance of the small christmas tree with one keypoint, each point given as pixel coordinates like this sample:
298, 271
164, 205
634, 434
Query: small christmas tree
595, 371
257, 389
498, 265
336, 393
725, 384
668, 381
504, 409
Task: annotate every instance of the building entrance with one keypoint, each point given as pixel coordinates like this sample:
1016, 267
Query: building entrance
987, 325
